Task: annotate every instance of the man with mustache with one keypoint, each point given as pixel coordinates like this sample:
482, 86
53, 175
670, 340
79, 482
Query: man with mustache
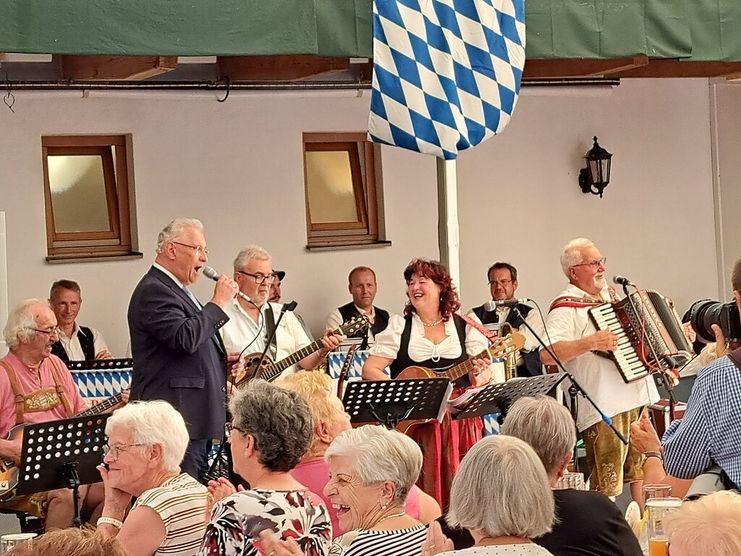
574, 339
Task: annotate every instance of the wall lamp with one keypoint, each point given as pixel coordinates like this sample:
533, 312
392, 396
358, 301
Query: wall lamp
596, 176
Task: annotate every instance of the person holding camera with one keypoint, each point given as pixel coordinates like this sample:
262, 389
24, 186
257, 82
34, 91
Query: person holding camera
709, 434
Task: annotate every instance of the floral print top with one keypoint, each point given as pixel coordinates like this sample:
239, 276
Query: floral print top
237, 520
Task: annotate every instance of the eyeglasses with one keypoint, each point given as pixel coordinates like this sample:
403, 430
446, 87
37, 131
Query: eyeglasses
197, 248
50, 333
116, 449
231, 426
594, 264
504, 282
260, 278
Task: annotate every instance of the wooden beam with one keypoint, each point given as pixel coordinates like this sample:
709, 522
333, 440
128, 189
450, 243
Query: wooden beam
279, 67
115, 68
678, 68
581, 67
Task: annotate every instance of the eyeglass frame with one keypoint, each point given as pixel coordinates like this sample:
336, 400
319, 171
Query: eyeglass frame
593, 264
231, 426
505, 282
56, 330
197, 248
108, 449
266, 278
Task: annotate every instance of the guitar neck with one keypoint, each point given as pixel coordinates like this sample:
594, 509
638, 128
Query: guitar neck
101, 407
454, 373
271, 372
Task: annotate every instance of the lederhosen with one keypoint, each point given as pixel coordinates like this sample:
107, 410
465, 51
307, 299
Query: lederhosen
380, 322
87, 343
43, 399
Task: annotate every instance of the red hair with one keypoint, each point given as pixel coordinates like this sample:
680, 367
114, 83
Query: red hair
435, 271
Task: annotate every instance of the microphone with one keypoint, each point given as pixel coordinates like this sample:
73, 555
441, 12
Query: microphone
492, 304
291, 306
209, 272
622, 281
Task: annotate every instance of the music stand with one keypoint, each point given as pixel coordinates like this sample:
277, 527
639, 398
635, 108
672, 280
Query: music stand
390, 401
59, 454
498, 397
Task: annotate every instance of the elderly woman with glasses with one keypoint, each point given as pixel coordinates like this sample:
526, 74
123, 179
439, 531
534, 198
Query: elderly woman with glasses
146, 443
502, 496
371, 471
271, 430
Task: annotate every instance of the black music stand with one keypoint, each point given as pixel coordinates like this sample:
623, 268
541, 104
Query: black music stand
499, 397
100, 364
390, 401
59, 454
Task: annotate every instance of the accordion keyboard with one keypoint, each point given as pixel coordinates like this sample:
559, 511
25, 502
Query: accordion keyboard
625, 356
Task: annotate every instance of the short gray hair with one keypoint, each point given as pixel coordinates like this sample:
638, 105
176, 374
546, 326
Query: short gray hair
379, 454
710, 522
501, 488
175, 228
249, 253
571, 253
154, 422
546, 425
279, 420
22, 321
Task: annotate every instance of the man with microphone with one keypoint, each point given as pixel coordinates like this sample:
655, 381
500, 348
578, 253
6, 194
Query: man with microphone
177, 351
576, 341
500, 310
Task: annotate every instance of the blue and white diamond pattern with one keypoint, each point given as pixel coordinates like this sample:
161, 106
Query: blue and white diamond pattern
446, 73
100, 385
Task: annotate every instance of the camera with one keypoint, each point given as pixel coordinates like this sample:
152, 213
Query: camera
707, 312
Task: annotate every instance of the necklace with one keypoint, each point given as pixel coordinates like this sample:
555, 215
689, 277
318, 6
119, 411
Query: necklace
431, 324
389, 517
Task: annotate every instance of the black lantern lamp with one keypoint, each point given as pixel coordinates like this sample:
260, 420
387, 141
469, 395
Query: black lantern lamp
596, 176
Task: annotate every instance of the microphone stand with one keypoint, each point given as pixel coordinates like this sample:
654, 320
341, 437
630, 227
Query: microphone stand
286, 307
574, 389
667, 384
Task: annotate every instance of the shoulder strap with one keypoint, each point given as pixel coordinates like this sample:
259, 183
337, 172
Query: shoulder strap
58, 385
574, 302
489, 334
19, 397
269, 328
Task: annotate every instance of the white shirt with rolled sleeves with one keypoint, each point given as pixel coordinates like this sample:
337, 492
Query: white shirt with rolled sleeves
598, 375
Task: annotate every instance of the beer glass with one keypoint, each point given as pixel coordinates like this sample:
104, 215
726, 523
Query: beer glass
658, 509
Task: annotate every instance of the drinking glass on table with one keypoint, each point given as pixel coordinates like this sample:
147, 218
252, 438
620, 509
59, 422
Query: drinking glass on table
656, 491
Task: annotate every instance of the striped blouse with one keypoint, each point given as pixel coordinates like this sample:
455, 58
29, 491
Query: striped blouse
399, 542
181, 503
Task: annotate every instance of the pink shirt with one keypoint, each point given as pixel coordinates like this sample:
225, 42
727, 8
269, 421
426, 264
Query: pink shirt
28, 383
314, 475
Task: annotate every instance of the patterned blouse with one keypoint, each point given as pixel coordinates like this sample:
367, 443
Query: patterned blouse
237, 520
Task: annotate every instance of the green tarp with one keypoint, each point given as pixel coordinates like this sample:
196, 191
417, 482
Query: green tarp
699, 30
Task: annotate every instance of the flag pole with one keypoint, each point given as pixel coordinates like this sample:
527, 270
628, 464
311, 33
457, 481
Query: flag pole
447, 224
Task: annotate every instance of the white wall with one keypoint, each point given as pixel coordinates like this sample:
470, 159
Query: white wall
238, 167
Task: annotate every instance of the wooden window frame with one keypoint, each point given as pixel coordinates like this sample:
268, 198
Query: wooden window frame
116, 242
364, 230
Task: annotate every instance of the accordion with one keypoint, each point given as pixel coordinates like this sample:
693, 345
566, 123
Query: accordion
650, 335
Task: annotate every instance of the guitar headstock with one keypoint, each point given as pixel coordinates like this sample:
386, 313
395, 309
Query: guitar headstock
501, 347
355, 324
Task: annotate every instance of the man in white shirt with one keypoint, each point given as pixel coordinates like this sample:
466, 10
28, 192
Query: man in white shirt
575, 340
251, 322
75, 342
362, 287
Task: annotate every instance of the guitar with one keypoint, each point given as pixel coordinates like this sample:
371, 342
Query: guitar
8, 468
345, 372
270, 370
499, 348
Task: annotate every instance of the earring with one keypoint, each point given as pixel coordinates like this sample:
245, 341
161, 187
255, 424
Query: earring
384, 506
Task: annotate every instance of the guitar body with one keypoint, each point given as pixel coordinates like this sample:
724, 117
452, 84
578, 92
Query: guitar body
250, 367
8, 469
415, 373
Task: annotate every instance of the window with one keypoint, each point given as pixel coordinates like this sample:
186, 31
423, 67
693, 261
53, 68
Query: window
340, 175
87, 194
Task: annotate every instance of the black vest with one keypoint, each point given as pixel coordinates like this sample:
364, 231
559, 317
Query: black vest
87, 343
380, 322
403, 360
